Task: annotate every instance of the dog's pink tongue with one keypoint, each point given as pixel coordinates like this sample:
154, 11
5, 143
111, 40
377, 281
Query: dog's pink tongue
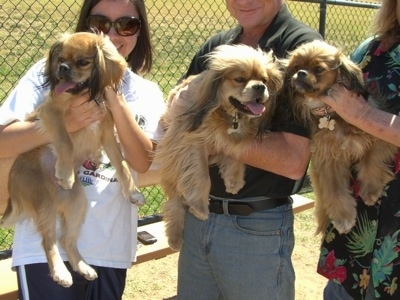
256, 108
63, 86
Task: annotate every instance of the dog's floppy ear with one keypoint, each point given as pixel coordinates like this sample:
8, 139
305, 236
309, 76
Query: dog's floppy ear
276, 69
52, 61
108, 69
351, 75
205, 96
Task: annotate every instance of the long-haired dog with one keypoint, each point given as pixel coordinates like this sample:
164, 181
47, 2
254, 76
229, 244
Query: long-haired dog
338, 148
224, 109
43, 182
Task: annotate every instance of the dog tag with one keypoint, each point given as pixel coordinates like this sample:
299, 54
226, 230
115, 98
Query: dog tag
325, 122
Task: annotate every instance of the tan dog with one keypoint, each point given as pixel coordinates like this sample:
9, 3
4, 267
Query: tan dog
43, 182
224, 109
338, 148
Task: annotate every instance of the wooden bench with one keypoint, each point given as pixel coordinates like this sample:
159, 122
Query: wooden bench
160, 249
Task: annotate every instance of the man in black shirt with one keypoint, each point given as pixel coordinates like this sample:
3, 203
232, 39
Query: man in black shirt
238, 256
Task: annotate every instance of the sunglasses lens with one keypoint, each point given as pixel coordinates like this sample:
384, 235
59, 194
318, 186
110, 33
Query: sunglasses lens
99, 22
127, 26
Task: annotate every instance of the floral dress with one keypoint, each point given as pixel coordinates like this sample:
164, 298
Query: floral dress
371, 249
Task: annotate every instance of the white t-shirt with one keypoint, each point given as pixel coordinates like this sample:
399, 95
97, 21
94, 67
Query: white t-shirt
108, 235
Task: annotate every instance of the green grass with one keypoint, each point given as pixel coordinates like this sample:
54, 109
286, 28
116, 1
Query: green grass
31, 26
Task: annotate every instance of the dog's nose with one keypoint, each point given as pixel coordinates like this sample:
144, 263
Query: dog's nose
63, 69
259, 88
302, 73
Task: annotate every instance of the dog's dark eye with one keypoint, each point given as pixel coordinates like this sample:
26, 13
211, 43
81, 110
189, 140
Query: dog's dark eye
82, 62
318, 70
240, 79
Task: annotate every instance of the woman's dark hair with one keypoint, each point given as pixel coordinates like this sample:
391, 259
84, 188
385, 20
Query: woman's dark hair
141, 58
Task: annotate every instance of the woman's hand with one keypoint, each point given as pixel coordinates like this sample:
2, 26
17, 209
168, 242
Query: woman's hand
355, 110
82, 112
346, 103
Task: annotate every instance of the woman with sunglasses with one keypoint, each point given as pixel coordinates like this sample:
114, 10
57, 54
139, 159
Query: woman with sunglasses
107, 239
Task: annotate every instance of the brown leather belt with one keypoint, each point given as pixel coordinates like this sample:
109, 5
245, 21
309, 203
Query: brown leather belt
244, 208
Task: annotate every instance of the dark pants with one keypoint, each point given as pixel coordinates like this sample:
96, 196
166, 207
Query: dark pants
34, 280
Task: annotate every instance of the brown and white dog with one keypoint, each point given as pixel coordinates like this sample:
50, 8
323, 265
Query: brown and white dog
43, 182
338, 148
222, 109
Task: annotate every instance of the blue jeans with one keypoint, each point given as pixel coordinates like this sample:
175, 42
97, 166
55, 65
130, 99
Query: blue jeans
238, 257
335, 291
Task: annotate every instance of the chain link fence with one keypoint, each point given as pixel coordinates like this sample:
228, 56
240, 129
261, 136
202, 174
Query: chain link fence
178, 27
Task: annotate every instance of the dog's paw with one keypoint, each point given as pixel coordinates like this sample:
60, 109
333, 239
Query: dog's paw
233, 185
62, 276
370, 198
137, 198
175, 243
86, 271
199, 214
370, 201
344, 225
65, 178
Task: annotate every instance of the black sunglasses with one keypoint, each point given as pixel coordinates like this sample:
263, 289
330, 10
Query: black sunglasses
124, 26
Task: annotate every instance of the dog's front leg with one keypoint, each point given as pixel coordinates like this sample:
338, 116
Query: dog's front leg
52, 119
232, 172
129, 189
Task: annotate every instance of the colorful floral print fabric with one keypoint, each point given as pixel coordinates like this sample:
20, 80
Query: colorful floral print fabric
371, 249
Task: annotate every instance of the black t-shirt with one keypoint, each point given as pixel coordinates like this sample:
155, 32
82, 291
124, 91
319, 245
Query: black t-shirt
284, 34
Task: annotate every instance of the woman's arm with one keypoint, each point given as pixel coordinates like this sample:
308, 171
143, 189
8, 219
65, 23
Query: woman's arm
20, 136
136, 145
355, 110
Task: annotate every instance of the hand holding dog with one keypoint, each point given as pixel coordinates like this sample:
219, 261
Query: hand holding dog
355, 110
348, 104
82, 112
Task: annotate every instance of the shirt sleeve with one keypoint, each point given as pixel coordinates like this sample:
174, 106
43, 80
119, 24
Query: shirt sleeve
146, 101
25, 97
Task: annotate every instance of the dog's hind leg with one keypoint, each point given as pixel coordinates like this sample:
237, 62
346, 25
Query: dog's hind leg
174, 216
374, 171
45, 220
129, 189
73, 212
331, 181
194, 181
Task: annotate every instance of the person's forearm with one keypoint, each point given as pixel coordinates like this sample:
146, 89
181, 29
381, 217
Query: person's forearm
354, 109
281, 153
380, 124
20, 137
137, 146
